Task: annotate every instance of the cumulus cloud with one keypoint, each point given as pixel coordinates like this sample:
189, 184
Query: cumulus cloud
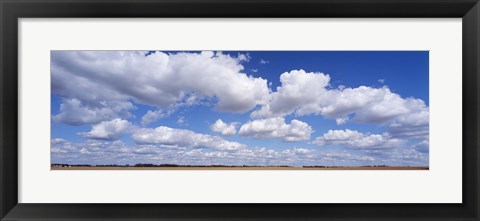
403, 157
109, 130
181, 120
341, 121
61, 146
182, 138
160, 80
370, 105
57, 141
413, 124
421, 146
244, 57
152, 116
117, 152
409, 154
277, 128
299, 89
305, 93
223, 128
73, 112
343, 156
355, 139
296, 151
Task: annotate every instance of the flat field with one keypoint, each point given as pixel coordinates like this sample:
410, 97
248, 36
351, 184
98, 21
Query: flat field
241, 168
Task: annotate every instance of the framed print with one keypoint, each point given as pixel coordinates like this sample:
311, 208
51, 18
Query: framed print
319, 109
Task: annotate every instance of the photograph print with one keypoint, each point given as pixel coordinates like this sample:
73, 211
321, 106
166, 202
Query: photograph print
239, 110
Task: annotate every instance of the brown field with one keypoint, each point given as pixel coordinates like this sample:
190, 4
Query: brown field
240, 168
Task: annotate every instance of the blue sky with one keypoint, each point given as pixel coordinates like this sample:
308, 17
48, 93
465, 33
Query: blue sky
331, 108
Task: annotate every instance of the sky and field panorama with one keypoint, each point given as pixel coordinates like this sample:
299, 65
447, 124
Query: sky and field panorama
265, 108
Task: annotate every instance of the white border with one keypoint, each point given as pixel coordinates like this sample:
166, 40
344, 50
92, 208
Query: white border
441, 184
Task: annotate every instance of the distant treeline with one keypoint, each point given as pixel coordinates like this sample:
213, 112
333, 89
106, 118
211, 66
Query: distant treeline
213, 165
345, 166
179, 165
155, 165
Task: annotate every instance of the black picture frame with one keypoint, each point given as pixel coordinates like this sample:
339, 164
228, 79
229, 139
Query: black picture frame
12, 10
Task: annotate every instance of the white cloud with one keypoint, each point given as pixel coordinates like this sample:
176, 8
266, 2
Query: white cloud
117, 152
182, 138
412, 157
299, 151
73, 112
299, 90
305, 93
60, 146
160, 80
343, 156
277, 128
57, 141
152, 116
109, 130
223, 128
181, 121
370, 105
381, 81
243, 57
342, 120
422, 146
355, 139
262, 61
413, 124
